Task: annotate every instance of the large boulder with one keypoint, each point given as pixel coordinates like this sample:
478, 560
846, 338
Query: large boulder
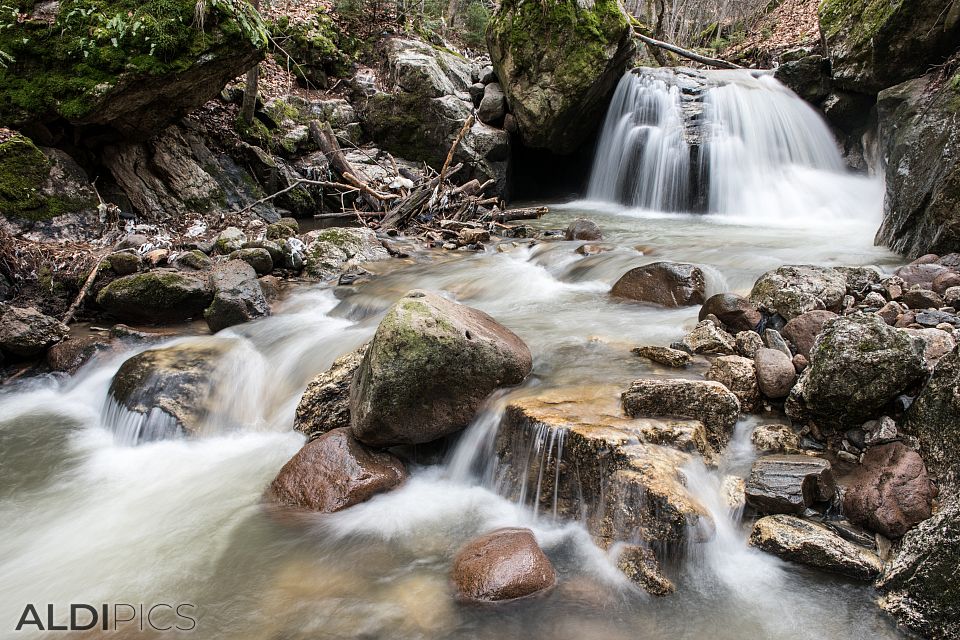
132, 76
789, 483
237, 296
875, 44
430, 365
558, 63
889, 492
670, 284
709, 402
325, 404
505, 564
168, 390
334, 472
920, 210
934, 419
857, 365
26, 332
793, 290
157, 296
920, 585
814, 545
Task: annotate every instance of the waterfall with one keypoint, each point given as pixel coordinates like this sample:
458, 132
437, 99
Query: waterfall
727, 142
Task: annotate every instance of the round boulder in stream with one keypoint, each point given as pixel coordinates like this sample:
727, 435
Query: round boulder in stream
156, 296
430, 365
505, 564
669, 284
335, 472
793, 290
237, 296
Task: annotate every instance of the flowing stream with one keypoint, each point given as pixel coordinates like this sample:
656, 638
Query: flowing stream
87, 517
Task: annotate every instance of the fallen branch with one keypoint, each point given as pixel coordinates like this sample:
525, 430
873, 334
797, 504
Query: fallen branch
696, 57
509, 215
84, 290
326, 140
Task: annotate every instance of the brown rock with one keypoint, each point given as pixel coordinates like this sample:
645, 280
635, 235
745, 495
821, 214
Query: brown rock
890, 312
920, 274
735, 312
641, 566
890, 491
739, 375
944, 281
583, 229
803, 330
325, 404
669, 284
922, 299
664, 355
775, 373
709, 402
72, 353
335, 472
505, 564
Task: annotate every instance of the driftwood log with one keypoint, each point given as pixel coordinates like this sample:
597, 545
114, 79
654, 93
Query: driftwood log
686, 53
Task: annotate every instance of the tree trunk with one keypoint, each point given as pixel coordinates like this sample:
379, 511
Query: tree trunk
452, 13
250, 90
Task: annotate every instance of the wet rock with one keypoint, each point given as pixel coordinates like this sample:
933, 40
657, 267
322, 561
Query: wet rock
773, 340
739, 375
919, 589
922, 299
493, 105
430, 365
237, 296
748, 343
889, 492
156, 296
229, 240
669, 284
808, 77
335, 472
709, 402
735, 312
25, 332
123, 263
775, 373
664, 355
259, 259
505, 564
707, 337
814, 545
858, 364
640, 565
72, 353
934, 418
794, 290
788, 483
803, 330
583, 229
169, 387
775, 438
330, 251
879, 431
325, 404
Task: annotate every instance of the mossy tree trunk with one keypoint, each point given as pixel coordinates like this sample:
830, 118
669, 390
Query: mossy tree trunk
252, 87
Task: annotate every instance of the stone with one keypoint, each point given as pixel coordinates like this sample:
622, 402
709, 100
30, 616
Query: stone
505, 564
858, 365
229, 240
808, 77
938, 343
156, 296
807, 543
919, 275
664, 355
558, 93
669, 284
325, 404
922, 299
237, 296
789, 483
803, 330
493, 105
709, 402
194, 260
920, 214
739, 375
859, 279
706, 337
952, 297
800, 363
889, 492
273, 248
473, 236
794, 290
476, 92
156, 258
283, 229
429, 367
640, 565
72, 353
775, 438
168, 389
123, 263
583, 229
773, 340
329, 252
944, 281
259, 259
334, 472
775, 373
890, 312
934, 419
25, 332
735, 312
747, 343
874, 300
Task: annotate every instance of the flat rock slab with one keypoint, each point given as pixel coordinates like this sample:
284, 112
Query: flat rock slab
709, 402
788, 483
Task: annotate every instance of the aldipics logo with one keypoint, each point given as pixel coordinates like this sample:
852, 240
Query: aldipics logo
109, 617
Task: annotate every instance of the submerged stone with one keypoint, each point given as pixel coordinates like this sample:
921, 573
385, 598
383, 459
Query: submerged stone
505, 564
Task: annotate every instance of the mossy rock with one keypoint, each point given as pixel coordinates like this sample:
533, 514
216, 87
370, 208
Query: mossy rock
23, 171
558, 62
131, 66
320, 47
156, 296
875, 44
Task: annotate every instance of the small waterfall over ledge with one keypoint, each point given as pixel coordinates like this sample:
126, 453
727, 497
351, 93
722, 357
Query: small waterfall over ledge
735, 143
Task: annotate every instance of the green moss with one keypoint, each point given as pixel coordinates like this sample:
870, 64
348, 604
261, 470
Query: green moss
317, 46
23, 171
868, 16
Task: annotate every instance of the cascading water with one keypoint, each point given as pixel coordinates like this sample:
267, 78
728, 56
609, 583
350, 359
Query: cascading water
736, 143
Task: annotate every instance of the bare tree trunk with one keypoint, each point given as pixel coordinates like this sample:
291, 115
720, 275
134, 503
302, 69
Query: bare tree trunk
452, 9
249, 107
